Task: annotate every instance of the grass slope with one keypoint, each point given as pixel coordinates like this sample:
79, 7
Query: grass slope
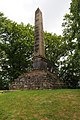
40, 105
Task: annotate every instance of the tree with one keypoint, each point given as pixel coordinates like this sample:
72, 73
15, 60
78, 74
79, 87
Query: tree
16, 46
70, 67
54, 50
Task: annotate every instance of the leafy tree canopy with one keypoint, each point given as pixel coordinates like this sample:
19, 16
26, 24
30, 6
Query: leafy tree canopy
70, 70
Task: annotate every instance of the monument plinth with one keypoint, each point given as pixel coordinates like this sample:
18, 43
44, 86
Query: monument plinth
39, 77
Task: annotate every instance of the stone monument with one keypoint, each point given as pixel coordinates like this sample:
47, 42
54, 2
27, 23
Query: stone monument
39, 77
39, 50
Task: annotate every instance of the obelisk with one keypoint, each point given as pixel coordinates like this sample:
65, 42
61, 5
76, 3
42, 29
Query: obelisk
39, 49
39, 77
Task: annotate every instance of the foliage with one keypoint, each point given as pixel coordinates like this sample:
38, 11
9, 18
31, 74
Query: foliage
70, 67
54, 50
16, 46
53, 47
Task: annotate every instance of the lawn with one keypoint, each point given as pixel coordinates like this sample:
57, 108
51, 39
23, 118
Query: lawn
61, 104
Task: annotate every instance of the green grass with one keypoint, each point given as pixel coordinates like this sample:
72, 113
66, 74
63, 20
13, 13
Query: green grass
40, 105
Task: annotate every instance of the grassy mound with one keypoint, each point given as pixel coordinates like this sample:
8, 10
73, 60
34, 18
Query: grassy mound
40, 105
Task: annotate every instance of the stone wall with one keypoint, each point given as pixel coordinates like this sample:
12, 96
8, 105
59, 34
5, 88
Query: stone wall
36, 79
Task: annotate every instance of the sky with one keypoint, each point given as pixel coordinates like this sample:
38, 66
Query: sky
24, 11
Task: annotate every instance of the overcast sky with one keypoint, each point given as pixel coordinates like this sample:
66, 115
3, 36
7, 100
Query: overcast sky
24, 11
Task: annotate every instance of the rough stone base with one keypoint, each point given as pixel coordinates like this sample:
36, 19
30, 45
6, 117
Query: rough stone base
36, 79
